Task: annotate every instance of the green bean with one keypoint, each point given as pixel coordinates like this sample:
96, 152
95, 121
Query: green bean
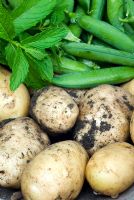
115, 12
129, 30
67, 65
113, 75
99, 53
107, 33
97, 7
85, 4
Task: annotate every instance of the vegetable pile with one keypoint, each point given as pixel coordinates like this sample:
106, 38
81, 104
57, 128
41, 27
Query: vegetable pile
65, 115
74, 44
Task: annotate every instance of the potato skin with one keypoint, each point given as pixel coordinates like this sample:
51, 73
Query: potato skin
76, 94
20, 141
54, 109
132, 127
129, 86
110, 171
101, 120
12, 104
56, 173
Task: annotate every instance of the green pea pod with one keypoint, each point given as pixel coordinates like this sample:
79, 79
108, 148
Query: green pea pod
68, 65
97, 8
129, 30
107, 33
96, 41
112, 75
115, 12
99, 53
75, 29
85, 4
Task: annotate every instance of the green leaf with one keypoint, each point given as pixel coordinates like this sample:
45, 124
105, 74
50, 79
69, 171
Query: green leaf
30, 12
6, 24
33, 78
44, 68
18, 64
47, 38
10, 52
36, 53
15, 3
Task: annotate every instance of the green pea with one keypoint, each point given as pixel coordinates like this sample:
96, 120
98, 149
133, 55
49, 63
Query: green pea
107, 33
112, 75
99, 53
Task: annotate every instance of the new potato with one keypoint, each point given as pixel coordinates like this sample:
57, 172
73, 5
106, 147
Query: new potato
54, 109
20, 141
12, 104
110, 171
56, 173
104, 117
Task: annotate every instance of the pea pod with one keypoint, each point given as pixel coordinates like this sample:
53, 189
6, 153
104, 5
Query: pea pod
107, 33
68, 65
115, 12
112, 75
85, 4
75, 29
99, 53
97, 7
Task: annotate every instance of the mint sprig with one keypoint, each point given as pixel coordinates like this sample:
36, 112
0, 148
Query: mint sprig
27, 54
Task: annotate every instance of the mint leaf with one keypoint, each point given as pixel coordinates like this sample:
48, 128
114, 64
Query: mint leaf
30, 12
19, 66
6, 24
15, 3
36, 53
33, 78
10, 52
43, 68
46, 38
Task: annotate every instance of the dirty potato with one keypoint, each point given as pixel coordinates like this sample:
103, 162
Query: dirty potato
54, 109
12, 104
129, 86
56, 173
102, 119
20, 141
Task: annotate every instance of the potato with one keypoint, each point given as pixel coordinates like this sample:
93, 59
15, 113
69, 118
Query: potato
76, 94
56, 173
102, 120
54, 109
110, 170
12, 104
20, 141
129, 86
132, 127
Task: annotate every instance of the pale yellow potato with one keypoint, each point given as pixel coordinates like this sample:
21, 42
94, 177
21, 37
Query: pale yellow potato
110, 171
54, 109
129, 86
132, 127
56, 173
12, 104
76, 94
20, 141
103, 117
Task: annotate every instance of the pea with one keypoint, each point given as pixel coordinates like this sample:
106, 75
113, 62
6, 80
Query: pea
67, 65
112, 75
107, 33
85, 4
99, 53
115, 12
97, 7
